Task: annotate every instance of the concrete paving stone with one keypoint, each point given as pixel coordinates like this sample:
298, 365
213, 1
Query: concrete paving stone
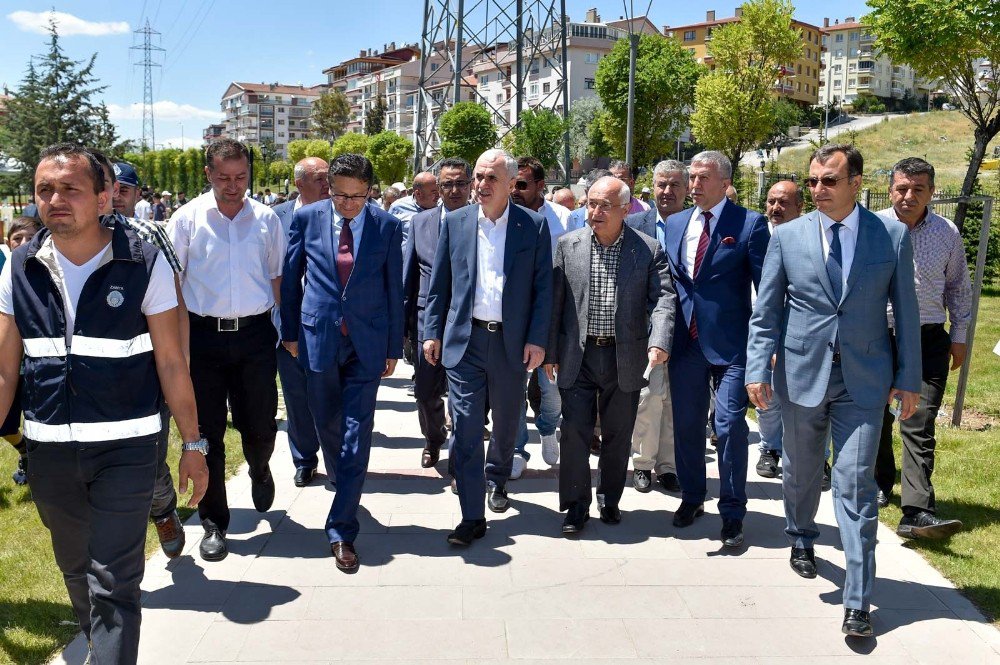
720, 571
406, 523
251, 603
568, 638
573, 602
220, 643
485, 570
366, 603
169, 636
614, 544
760, 602
526, 572
319, 571
935, 637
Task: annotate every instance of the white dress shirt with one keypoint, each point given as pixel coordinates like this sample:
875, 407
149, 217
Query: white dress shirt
694, 230
228, 263
557, 217
491, 239
848, 241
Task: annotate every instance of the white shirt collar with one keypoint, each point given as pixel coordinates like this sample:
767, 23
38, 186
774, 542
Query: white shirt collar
355, 223
211, 203
716, 210
502, 219
851, 221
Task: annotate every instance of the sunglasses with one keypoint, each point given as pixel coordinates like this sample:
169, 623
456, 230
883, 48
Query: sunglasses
827, 181
521, 185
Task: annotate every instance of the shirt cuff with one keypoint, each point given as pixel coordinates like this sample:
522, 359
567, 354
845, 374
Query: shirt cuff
957, 334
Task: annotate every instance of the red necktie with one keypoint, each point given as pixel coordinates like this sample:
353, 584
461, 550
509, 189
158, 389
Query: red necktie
698, 258
345, 263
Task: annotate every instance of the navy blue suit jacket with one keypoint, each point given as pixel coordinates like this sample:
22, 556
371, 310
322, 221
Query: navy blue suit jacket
527, 292
644, 222
371, 301
418, 262
720, 296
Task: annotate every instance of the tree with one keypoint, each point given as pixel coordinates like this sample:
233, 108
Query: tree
279, 170
330, 114
586, 137
375, 116
734, 104
787, 114
390, 155
268, 155
55, 103
350, 143
665, 78
299, 150
539, 134
466, 131
948, 39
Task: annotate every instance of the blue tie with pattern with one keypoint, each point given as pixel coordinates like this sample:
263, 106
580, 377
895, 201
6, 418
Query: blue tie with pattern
835, 263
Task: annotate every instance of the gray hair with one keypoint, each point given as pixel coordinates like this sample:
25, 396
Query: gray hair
619, 164
594, 176
494, 154
671, 166
721, 162
391, 191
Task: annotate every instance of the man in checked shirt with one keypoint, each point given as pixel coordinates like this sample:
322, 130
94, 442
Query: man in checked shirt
122, 178
943, 291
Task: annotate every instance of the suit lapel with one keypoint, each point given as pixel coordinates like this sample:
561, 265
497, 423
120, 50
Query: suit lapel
369, 229
581, 259
727, 219
329, 244
674, 236
627, 263
862, 247
515, 231
814, 246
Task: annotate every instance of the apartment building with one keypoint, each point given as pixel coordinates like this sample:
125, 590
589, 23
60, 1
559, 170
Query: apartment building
213, 133
362, 77
855, 66
257, 112
798, 81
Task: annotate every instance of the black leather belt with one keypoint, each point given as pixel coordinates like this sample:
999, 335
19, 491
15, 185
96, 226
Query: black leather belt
601, 340
228, 325
489, 326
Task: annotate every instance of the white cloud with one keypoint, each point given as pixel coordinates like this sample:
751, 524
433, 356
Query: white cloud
164, 111
177, 142
67, 24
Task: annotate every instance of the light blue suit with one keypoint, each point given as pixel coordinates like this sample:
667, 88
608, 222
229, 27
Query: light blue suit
797, 317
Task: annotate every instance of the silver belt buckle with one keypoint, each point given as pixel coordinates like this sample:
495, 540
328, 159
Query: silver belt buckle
492, 326
228, 325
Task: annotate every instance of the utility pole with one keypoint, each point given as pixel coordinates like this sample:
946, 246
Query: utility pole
147, 48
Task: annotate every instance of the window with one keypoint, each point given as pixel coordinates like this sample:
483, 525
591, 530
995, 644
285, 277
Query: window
533, 90
591, 58
281, 135
798, 69
281, 109
483, 80
839, 38
589, 84
281, 122
852, 82
546, 87
499, 99
434, 66
839, 53
853, 36
689, 35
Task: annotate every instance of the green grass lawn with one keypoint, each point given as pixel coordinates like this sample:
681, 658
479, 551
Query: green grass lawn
36, 619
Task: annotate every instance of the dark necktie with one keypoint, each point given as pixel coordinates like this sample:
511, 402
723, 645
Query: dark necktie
835, 263
698, 258
345, 263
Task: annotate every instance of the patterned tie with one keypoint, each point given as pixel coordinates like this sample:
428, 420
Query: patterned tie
698, 258
345, 263
834, 263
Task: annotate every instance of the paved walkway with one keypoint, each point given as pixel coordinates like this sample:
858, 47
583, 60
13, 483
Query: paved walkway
640, 591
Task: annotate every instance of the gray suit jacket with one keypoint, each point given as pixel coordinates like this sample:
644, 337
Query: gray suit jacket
644, 316
644, 222
797, 318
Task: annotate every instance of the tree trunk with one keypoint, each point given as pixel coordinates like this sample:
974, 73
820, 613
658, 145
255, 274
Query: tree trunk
976, 160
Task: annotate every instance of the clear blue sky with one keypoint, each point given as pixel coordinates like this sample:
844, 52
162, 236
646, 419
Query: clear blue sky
210, 43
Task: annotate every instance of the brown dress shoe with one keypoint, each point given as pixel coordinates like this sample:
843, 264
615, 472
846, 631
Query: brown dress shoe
430, 457
346, 557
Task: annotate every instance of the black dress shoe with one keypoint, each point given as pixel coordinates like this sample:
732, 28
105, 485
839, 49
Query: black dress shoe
857, 624
669, 482
466, 532
883, 498
595, 446
925, 525
496, 498
611, 514
262, 493
345, 556
304, 476
803, 562
575, 519
642, 480
687, 512
430, 456
732, 533
213, 545
827, 477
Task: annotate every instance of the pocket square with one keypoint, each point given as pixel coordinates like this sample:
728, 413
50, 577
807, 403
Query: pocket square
729, 240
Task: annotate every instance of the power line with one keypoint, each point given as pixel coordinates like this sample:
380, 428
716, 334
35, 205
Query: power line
147, 48
179, 48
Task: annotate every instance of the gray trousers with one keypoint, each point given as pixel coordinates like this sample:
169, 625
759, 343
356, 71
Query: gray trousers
94, 500
164, 495
855, 433
653, 436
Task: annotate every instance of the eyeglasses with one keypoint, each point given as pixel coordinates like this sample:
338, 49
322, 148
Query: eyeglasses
520, 185
345, 198
827, 180
456, 184
602, 206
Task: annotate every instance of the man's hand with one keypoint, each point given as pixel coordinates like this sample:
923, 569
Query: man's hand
550, 371
432, 350
908, 402
193, 466
533, 356
390, 367
958, 352
292, 348
657, 356
760, 394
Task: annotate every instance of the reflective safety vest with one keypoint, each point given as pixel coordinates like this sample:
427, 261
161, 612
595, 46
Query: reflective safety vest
103, 385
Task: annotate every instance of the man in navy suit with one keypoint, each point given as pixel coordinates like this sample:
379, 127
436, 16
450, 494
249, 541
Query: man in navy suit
348, 316
490, 302
430, 383
716, 250
313, 184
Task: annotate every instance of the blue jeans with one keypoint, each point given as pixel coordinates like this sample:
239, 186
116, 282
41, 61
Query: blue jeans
548, 417
769, 423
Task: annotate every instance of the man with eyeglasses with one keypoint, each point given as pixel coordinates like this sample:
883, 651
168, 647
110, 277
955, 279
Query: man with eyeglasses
454, 181
424, 197
344, 323
821, 309
529, 191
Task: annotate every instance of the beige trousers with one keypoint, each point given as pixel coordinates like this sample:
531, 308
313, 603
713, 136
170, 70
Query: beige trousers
653, 437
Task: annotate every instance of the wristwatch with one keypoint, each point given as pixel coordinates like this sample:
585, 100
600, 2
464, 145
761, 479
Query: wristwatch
199, 446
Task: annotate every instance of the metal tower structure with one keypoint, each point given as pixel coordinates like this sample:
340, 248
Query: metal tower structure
147, 48
515, 38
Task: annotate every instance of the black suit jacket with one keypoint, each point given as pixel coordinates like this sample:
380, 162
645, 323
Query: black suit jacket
418, 262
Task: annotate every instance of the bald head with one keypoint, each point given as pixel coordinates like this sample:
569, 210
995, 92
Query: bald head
784, 202
607, 205
564, 197
425, 189
311, 180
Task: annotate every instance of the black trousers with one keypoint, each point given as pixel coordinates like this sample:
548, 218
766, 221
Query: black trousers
94, 500
917, 432
239, 368
595, 392
430, 386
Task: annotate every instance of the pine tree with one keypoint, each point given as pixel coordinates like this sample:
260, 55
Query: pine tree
375, 117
